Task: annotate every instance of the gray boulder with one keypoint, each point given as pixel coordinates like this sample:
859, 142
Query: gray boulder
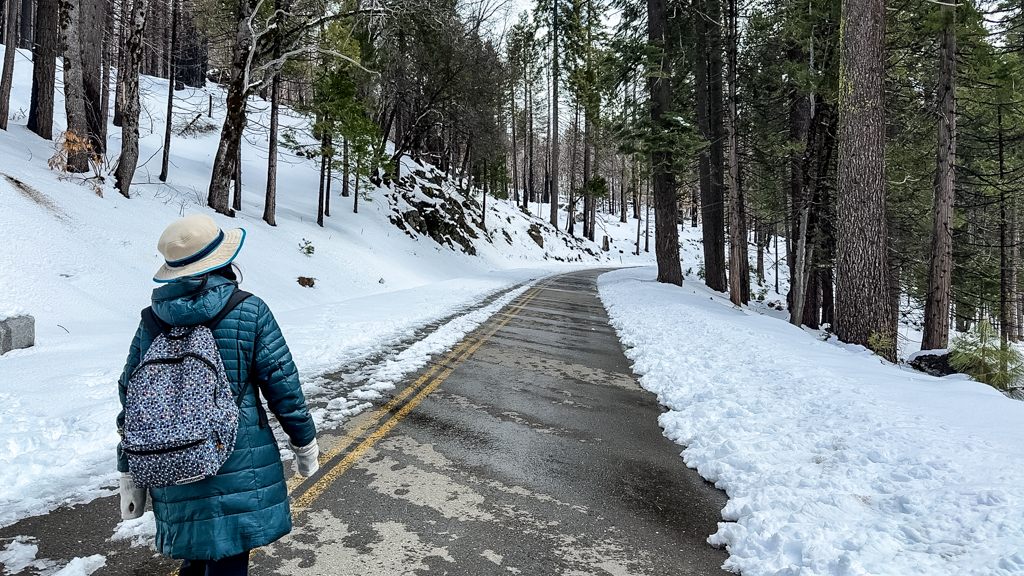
17, 332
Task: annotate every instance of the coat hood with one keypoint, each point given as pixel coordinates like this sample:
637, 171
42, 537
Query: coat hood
190, 301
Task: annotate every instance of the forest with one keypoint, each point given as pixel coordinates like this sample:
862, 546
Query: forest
871, 149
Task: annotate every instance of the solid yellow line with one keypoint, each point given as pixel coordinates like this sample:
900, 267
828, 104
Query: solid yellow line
317, 489
347, 440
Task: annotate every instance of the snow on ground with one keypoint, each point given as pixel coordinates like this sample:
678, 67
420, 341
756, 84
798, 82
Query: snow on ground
835, 462
82, 265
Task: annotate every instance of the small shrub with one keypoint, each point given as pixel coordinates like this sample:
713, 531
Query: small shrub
307, 248
306, 281
981, 354
882, 344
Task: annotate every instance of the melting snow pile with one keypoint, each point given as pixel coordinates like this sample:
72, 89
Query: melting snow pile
834, 462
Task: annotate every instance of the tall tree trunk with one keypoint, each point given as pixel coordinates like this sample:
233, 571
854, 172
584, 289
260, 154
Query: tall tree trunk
134, 29
172, 64
864, 311
738, 263
234, 119
346, 171
531, 136
587, 169
554, 116
11, 48
323, 178
270, 202
94, 14
44, 68
270, 198
119, 80
26, 37
940, 265
708, 76
77, 142
330, 174
666, 210
515, 147
236, 202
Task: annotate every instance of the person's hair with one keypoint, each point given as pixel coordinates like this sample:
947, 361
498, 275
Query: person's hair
230, 271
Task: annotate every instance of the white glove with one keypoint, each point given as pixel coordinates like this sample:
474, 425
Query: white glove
307, 458
133, 498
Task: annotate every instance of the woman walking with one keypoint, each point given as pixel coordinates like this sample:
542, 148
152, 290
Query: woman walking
209, 520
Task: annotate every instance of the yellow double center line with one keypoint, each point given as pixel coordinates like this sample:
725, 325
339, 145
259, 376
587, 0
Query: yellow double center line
429, 381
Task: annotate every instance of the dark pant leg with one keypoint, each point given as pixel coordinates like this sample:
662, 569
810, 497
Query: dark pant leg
230, 566
192, 568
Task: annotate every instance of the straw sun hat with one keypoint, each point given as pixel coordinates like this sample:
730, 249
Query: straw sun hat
195, 245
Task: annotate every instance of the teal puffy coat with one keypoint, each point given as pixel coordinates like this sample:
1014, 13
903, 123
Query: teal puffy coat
245, 505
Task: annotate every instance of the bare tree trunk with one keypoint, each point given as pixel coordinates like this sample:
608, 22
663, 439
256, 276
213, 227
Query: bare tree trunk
515, 147
26, 38
530, 192
738, 263
237, 178
270, 198
44, 68
172, 64
234, 119
554, 114
129, 95
119, 77
330, 174
666, 210
94, 14
11, 48
346, 171
940, 265
864, 311
711, 196
77, 134
355, 192
323, 177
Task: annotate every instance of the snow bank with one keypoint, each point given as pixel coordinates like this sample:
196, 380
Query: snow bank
83, 566
834, 462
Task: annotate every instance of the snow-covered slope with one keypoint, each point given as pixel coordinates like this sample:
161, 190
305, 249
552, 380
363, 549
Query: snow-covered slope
82, 264
835, 462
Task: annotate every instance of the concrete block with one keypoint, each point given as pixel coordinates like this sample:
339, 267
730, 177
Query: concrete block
17, 332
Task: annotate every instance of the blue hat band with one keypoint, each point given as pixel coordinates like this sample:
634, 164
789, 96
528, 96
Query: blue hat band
209, 249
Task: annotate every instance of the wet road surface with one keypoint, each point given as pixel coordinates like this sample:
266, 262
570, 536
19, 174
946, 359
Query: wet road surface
528, 449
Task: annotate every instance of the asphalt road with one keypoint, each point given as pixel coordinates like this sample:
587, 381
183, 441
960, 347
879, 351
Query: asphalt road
528, 449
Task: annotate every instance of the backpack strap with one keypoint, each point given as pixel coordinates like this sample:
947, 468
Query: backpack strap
154, 325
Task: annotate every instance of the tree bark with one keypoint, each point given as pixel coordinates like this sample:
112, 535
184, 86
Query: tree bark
135, 29
12, 30
708, 75
666, 210
738, 263
940, 265
76, 138
44, 68
234, 119
346, 170
270, 198
553, 216
864, 311
94, 15
172, 64
26, 37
